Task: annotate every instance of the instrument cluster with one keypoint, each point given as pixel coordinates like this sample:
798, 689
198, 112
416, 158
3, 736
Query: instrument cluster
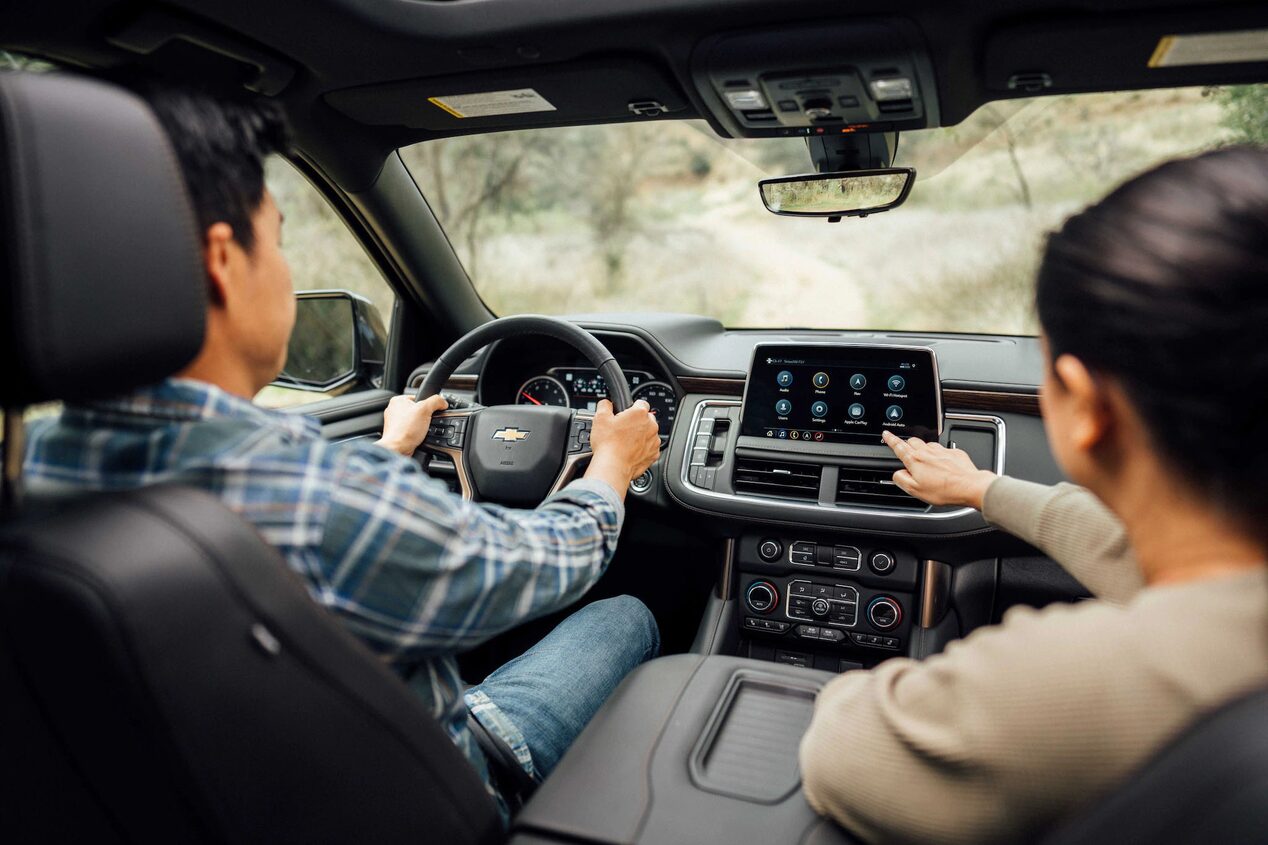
581, 388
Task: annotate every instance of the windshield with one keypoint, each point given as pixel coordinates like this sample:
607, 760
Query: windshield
665, 216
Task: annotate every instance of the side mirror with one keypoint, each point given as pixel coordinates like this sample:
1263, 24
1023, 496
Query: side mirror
339, 343
851, 193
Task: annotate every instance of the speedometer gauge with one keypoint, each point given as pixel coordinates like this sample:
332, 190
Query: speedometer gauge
543, 390
664, 403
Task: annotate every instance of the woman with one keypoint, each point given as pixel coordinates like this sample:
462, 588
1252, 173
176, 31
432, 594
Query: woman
1153, 305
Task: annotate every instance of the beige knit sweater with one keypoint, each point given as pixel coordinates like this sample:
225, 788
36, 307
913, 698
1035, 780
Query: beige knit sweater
1020, 724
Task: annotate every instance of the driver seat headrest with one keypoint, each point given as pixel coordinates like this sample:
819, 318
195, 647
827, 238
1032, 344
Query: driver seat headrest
102, 288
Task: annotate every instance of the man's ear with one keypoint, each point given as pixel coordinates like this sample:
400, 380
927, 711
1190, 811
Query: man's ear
1091, 415
218, 250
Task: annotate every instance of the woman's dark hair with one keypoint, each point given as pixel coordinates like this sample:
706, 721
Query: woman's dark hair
221, 142
1163, 286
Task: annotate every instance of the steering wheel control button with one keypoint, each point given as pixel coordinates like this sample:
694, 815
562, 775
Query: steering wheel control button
856, 411
761, 596
819, 409
769, 550
820, 607
884, 613
803, 553
784, 378
820, 380
896, 384
848, 558
858, 381
579, 434
894, 413
783, 407
882, 563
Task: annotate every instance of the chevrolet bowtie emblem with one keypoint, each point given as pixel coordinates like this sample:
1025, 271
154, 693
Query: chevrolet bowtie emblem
510, 435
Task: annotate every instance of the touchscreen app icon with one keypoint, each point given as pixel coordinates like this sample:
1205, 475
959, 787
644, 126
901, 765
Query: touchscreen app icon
858, 381
855, 411
893, 413
820, 380
819, 409
897, 384
783, 407
784, 378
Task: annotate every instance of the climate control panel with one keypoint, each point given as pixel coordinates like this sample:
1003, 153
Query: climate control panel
831, 601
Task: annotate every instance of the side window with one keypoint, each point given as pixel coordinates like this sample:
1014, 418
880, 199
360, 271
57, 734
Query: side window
339, 341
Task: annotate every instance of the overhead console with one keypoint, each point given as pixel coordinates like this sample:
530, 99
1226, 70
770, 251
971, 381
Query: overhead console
804, 444
839, 77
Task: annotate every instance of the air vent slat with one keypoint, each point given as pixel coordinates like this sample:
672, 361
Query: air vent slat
779, 479
872, 488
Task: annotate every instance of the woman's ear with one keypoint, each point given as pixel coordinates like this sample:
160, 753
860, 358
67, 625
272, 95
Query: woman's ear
1089, 409
218, 249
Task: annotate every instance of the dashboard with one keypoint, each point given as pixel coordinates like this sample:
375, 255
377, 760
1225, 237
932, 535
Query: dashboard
772, 453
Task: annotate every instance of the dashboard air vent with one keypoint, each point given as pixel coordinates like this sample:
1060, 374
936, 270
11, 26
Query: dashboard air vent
872, 488
777, 478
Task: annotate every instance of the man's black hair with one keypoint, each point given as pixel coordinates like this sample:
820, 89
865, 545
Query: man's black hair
221, 143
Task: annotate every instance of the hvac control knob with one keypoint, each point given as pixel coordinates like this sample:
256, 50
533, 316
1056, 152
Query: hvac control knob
762, 596
770, 550
884, 613
882, 563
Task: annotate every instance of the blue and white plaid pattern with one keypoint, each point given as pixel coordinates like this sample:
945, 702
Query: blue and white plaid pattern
413, 570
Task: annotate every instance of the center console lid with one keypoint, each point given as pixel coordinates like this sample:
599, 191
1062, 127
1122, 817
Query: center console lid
689, 748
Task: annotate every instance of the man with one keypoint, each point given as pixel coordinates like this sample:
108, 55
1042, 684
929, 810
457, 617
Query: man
416, 572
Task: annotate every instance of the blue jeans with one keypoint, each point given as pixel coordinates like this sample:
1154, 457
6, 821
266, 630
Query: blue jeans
550, 692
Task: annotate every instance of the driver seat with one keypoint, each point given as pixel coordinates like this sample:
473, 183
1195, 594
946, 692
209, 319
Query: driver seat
163, 675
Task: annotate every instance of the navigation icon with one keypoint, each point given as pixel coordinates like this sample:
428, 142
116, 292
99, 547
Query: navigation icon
858, 381
893, 413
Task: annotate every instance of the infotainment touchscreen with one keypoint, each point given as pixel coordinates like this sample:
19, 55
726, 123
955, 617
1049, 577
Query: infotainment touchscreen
833, 393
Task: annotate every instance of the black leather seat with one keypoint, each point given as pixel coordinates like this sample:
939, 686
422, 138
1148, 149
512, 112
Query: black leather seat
163, 675
1209, 786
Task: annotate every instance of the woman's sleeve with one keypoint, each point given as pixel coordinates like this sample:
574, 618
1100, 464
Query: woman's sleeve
1071, 526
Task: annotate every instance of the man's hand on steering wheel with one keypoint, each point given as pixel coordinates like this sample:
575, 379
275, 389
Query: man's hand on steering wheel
405, 422
624, 444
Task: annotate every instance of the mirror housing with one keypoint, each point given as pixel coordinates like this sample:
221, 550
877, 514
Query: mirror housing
848, 193
338, 343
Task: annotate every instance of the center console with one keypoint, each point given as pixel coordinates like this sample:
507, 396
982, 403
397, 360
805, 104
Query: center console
814, 600
687, 749
823, 571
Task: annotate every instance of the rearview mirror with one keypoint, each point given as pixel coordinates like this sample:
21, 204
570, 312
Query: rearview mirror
338, 343
851, 193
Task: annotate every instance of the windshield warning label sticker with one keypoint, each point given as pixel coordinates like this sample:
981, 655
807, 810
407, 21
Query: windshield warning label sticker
491, 103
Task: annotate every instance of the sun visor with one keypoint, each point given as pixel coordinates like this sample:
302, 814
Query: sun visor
601, 89
1126, 52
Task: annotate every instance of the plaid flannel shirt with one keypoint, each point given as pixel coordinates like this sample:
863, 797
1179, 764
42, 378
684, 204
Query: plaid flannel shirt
417, 573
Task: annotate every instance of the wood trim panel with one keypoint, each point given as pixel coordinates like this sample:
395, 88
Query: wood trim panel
992, 400
461, 383
713, 386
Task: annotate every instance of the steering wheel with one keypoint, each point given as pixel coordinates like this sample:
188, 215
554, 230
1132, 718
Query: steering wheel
517, 454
